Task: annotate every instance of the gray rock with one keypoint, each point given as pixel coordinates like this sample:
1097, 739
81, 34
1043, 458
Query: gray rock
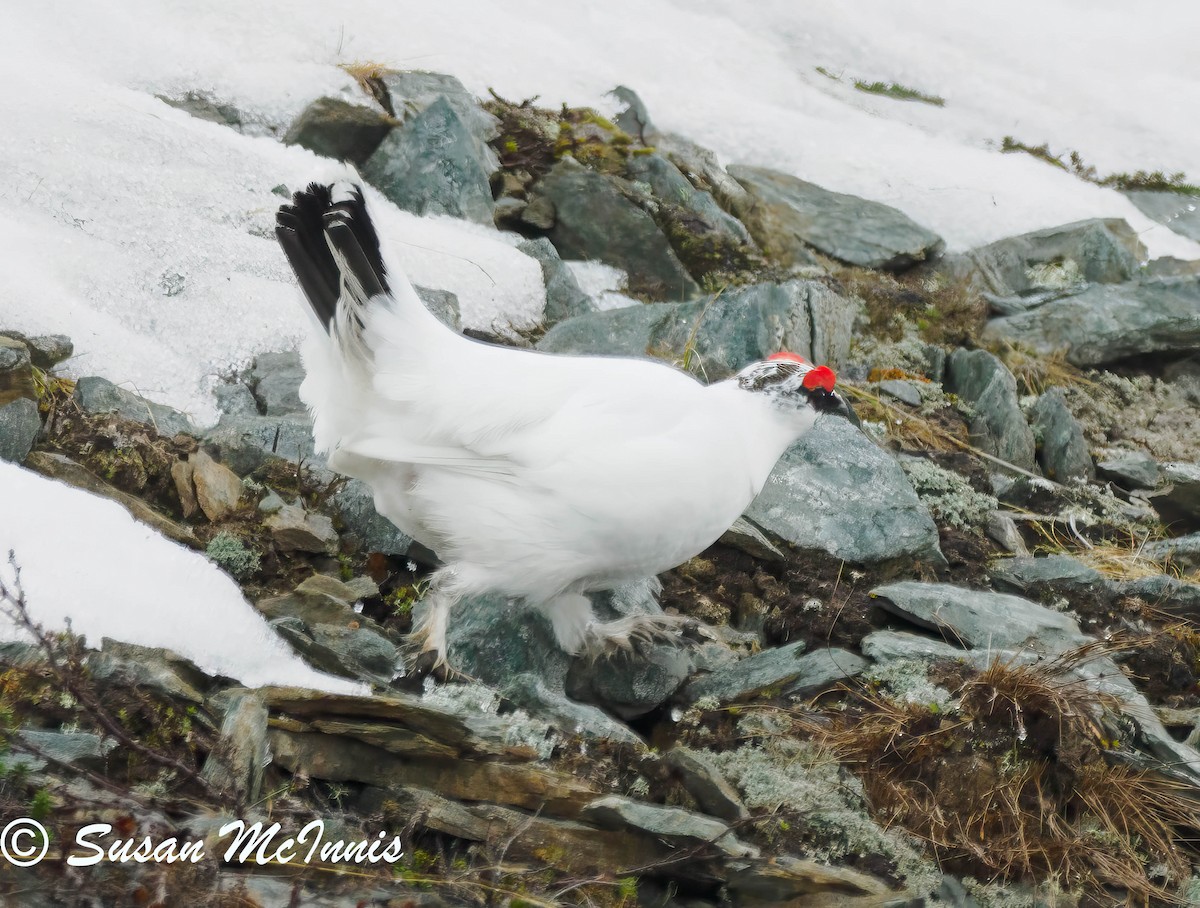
1179, 212
668, 183
412, 92
1167, 594
271, 502
630, 684
998, 426
979, 618
1182, 553
750, 539
218, 489
1060, 572
348, 652
295, 530
1063, 452
235, 765
434, 165
906, 392
443, 304
890, 646
594, 220
538, 213
1179, 503
244, 442
1169, 266
99, 396
20, 424
1130, 470
494, 640
528, 692
16, 371
564, 297
45, 350
1106, 323
354, 505
334, 128
706, 784
318, 600
1058, 258
74, 748
736, 328
785, 669
634, 119
837, 491
204, 106
159, 670
1002, 528
788, 215
275, 380
235, 399
676, 825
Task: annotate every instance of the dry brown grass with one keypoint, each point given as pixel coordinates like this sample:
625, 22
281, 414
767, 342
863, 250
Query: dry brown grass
910, 431
1119, 559
1021, 784
1036, 373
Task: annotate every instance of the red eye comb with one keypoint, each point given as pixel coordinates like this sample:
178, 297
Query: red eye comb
786, 357
820, 377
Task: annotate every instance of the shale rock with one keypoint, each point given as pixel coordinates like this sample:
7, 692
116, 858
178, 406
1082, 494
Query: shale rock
100, 397
1063, 452
20, 424
788, 216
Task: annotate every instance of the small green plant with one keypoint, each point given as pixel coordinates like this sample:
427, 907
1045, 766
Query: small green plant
899, 92
1153, 181
228, 552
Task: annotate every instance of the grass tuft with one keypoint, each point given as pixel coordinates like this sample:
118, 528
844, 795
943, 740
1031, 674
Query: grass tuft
899, 92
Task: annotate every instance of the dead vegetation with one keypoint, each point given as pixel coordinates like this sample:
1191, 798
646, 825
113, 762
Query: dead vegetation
1019, 783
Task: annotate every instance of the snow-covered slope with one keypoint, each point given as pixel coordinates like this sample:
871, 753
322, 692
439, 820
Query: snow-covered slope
85, 560
109, 198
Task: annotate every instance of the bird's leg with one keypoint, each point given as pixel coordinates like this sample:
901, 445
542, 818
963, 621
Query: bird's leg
626, 634
428, 638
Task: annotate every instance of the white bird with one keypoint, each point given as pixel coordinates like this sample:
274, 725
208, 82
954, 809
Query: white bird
533, 475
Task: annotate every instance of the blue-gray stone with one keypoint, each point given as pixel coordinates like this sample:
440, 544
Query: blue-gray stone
434, 165
998, 426
20, 424
837, 491
1063, 452
788, 216
98, 397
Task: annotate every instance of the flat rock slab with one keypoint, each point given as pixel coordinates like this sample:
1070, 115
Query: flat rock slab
1110, 322
682, 828
1178, 212
1130, 469
1099, 251
98, 396
788, 215
782, 670
1062, 571
722, 334
979, 618
297, 530
595, 220
837, 491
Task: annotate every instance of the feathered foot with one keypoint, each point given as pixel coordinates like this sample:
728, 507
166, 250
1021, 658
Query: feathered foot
637, 633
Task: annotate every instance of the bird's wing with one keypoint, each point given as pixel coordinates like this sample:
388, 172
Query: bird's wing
468, 406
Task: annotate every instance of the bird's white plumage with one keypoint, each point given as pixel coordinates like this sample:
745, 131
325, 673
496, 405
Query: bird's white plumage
535, 475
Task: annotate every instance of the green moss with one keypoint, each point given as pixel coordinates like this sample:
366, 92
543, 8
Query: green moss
1147, 180
899, 92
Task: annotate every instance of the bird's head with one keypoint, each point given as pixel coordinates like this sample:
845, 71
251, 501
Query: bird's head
796, 386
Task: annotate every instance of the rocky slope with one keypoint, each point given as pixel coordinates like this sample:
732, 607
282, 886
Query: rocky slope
951, 658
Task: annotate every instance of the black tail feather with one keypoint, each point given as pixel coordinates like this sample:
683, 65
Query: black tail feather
308, 227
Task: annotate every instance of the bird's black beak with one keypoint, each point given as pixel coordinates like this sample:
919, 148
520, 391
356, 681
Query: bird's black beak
834, 404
